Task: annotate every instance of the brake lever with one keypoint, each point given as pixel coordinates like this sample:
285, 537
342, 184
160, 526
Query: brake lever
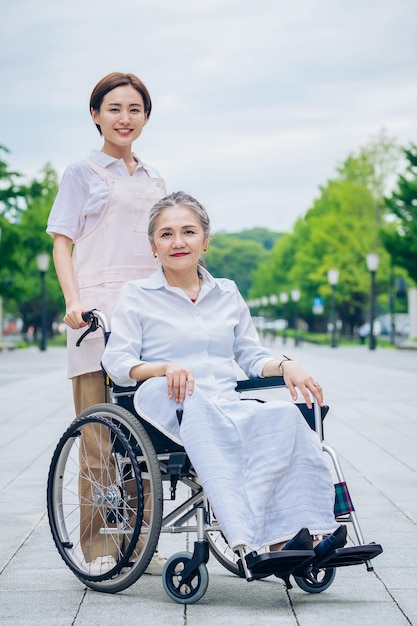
94, 325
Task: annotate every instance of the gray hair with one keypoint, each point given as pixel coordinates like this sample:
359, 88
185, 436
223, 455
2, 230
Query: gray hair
174, 199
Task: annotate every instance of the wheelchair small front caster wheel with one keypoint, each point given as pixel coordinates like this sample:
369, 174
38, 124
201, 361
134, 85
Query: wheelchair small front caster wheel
184, 592
323, 580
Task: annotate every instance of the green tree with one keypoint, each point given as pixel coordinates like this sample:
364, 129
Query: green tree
342, 231
338, 231
267, 238
24, 210
11, 199
231, 257
374, 168
11, 204
400, 236
39, 196
274, 274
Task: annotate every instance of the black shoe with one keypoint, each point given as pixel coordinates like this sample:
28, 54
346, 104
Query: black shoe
330, 544
301, 541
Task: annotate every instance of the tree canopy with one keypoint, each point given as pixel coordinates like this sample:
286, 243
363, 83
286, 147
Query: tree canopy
24, 210
400, 235
236, 258
338, 231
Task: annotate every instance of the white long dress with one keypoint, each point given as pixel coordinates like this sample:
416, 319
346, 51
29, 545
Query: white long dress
261, 466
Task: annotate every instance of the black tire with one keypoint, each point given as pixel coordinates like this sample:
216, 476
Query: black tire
184, 592
138, 538
323, 580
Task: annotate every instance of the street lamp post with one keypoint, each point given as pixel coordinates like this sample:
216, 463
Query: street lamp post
283, 296
333, 278
295, 297
42, 261
372, 262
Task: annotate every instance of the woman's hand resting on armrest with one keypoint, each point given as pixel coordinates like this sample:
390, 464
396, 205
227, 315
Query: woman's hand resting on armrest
295, 377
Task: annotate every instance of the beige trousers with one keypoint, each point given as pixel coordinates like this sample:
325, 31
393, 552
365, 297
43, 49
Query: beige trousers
89, 389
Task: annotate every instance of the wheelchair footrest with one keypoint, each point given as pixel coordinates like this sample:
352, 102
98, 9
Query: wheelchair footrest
355, 555
281, 563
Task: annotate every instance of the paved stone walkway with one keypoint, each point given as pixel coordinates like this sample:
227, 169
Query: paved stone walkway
373, 427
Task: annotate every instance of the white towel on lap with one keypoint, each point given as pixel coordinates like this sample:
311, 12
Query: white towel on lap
260, 464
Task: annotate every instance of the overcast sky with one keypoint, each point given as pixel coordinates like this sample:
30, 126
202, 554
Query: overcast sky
254, 103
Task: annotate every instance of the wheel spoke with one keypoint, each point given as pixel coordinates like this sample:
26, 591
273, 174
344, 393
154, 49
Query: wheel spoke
98, 496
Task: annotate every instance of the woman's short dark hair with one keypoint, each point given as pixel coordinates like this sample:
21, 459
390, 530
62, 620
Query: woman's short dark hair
118, 79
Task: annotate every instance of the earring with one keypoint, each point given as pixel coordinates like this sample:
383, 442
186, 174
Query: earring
155, 255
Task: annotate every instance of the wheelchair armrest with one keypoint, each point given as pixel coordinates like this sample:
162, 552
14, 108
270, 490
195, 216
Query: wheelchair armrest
278, 381
260, 383
118, 390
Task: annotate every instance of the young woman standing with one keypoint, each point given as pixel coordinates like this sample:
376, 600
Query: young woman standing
99, 225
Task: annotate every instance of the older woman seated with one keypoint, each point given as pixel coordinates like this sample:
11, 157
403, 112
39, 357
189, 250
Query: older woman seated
181, 331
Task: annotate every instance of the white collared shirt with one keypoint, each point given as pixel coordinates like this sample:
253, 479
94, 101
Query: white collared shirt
155, 322
84, 193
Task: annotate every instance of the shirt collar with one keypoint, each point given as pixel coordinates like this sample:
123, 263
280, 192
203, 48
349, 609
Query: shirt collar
103, 159
158, 280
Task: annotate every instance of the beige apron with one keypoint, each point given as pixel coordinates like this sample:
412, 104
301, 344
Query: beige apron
114, 251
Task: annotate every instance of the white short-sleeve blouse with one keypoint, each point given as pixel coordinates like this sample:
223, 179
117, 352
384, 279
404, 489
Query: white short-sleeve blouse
82, 192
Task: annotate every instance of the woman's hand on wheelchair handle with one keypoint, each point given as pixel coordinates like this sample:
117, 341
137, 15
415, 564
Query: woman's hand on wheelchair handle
73, 316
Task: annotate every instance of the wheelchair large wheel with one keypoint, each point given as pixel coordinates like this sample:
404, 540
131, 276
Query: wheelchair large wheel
106, 499
323, 580
223, 553
184, 592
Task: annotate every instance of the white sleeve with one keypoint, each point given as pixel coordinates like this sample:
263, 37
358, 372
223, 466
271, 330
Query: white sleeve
66, 212
250, 355
124, 346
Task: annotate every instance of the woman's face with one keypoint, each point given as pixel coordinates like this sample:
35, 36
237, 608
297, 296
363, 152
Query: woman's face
179, 238
121, 116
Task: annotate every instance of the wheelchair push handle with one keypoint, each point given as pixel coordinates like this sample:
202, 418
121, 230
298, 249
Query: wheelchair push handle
96, 319
88, 316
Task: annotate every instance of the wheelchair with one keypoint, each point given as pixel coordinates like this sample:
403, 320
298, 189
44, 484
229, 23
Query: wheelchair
125, 505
